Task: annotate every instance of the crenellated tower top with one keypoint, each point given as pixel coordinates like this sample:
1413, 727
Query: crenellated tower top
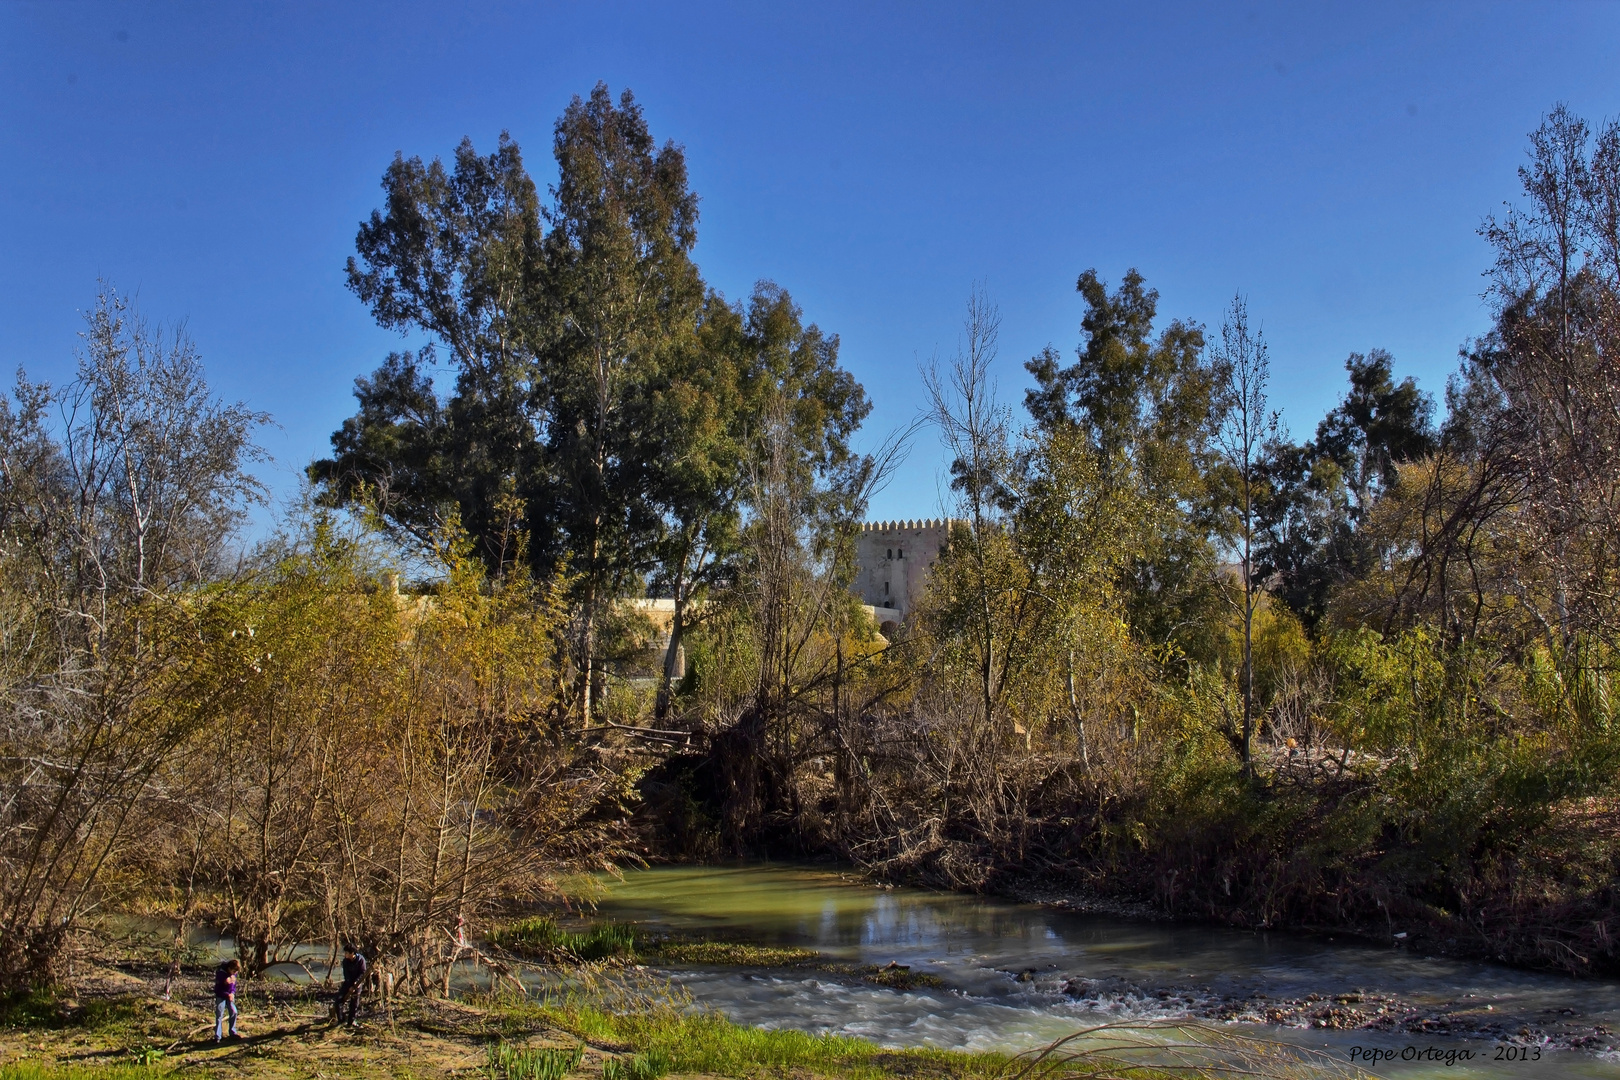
906, 523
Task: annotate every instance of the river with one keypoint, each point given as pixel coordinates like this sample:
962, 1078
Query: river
1020, 975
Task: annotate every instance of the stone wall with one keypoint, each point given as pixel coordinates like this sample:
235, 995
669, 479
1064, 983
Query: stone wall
892, 560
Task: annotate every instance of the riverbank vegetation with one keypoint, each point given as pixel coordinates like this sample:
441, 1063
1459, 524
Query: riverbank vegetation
1169, 655
611, 1021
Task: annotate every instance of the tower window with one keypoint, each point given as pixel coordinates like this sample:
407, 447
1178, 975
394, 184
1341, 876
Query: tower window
885, 588
889, 554
900, 553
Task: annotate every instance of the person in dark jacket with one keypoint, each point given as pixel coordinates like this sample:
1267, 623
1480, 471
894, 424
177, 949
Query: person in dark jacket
354, 973
225, 998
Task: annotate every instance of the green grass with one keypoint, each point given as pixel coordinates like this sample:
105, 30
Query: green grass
31, 1009
41, 1009
507, 1062
728, 953
29, 1070
709, 1043
900, 977
540, 936
649, 1066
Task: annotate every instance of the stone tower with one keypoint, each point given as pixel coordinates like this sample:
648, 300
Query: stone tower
892, 560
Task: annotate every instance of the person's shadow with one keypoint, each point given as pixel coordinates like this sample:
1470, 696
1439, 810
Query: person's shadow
200, 1040
244, 1042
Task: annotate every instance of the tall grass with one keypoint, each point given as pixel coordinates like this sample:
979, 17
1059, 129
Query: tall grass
709, 1043
540, 936
652, 1065
507, 1062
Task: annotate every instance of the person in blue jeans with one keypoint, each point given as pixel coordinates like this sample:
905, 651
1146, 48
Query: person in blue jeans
225, 998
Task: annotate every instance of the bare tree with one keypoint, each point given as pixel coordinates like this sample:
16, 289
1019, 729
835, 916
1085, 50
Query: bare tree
1552, 365
1247, 425
110, 513
977, 432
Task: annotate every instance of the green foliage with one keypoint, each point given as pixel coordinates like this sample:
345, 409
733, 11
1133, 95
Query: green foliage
1321, 493
540, 936
709, 1043
901, 977
31, 1070
535, 936
608, 405
507, 1062
648, 1066
1463, 785
1148, 405
729, 954
44, 1008
36, 1008
148, 1055
602, 941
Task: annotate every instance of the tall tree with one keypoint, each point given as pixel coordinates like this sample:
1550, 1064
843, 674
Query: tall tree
603, 396
1302, 515
1377, 424
1550, 366
1248, 426
977, 432
1320, 494
114, 520
623, 299
1148, 405
456, 254
748, 369
788, 604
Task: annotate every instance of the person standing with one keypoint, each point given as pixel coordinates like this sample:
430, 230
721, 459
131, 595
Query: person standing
354, 972
225, 977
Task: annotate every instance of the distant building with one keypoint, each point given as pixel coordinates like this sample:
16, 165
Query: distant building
661, 613
892, 559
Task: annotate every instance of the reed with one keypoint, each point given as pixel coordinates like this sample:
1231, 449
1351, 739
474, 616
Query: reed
507, 1062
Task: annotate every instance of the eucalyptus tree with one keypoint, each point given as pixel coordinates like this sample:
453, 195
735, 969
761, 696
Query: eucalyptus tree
559, 321
1319, 494
803, 489
621, 305
456, 254
603, 397
1148, 405
754, 384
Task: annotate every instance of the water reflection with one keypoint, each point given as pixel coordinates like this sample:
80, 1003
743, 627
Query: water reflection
1021, 975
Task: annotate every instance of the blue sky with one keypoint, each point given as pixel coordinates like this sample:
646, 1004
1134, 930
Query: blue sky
876, 160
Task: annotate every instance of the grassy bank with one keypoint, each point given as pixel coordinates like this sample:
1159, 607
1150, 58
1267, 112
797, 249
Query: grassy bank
112, 1024
286, 1036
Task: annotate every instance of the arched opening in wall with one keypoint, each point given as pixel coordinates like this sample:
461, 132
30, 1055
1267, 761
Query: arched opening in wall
888, 628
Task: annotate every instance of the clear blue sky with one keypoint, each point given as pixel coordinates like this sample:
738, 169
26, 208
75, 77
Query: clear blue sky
876, 160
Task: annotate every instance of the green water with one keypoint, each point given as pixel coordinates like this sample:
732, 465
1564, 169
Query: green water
1020, 975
